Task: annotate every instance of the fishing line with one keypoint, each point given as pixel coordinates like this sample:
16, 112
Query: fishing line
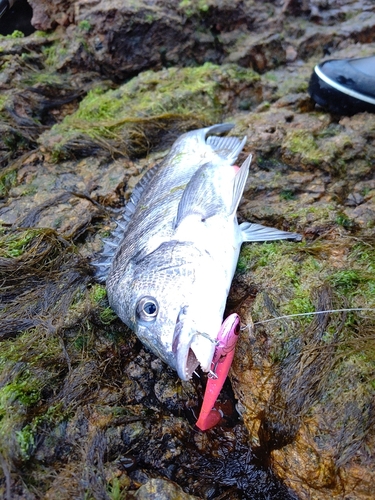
310, 314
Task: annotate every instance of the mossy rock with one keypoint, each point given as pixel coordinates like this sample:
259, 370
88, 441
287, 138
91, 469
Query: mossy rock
151, 109
310, 377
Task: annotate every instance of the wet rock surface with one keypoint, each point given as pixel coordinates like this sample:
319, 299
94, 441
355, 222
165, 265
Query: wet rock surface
86, 107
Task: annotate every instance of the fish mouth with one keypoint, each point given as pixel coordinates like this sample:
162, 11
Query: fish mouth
186, 369
192, 350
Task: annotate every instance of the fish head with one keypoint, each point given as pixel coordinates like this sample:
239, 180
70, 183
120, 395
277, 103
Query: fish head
169, 326
161, 297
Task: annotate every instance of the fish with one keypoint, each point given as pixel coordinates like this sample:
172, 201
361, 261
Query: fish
169, 264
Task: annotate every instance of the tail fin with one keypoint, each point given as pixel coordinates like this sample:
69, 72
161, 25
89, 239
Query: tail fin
227, 147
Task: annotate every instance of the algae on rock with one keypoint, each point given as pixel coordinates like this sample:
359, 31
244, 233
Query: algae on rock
141, 114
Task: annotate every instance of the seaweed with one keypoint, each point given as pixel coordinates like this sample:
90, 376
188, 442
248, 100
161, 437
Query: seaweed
32, 264
45, 373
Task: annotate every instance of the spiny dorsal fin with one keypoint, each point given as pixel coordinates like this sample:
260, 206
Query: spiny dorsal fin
137, 195
104, 260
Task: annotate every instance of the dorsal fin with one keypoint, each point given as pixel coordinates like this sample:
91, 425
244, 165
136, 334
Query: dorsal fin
104, 260
136, 196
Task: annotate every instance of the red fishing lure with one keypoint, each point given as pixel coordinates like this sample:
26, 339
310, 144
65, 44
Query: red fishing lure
222, 360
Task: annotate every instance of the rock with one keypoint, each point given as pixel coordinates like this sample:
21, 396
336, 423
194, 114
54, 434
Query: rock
156, 489
47, 16
261, 52
132, 119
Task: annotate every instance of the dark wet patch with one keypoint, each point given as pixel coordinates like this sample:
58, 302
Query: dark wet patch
18, 17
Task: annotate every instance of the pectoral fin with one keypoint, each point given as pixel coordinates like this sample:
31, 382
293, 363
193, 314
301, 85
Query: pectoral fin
257, 232
208, 192
239, 184
201, 196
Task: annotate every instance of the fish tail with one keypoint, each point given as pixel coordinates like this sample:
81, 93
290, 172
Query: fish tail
227, 148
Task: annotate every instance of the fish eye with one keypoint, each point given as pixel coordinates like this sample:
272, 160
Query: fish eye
147, 308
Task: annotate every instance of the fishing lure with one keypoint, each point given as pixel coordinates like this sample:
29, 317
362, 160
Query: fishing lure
221, 363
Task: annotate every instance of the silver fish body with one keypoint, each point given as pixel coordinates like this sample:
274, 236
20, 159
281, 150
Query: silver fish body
176, 250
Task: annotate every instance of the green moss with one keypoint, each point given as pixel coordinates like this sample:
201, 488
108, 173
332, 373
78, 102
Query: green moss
49, 76
7, 180
242, 264
134, 115
193, 7
81, 342
26, 441
264, 254
299, 305
330, 146
346, 280
84, 26
23, 348
287, 274
150, 17
15, 34
302, 142
15, 141
16, 397
344, 221
364, 255
270, 76
53, 53
41, 34
26, 437
114, 490
107, 316
98, 293
3, 100
313, 214
22, 389
174, 91
29, 190
287, 194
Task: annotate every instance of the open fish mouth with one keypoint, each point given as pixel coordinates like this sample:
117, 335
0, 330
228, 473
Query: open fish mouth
190, 365
199, 350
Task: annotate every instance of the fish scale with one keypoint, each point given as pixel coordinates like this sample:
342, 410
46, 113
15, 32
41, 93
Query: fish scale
169, 264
